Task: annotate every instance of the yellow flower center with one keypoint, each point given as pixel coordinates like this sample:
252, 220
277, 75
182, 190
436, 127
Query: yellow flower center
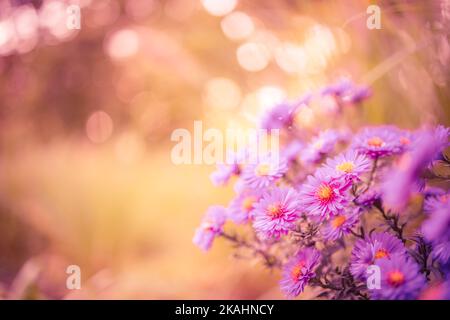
381, 253
338, 221
275, 210
375, 142
296, 271
404, 141
444, 198
396, 278
263, 169
207, 226
247, 203
325, 193
318, 144
346, 167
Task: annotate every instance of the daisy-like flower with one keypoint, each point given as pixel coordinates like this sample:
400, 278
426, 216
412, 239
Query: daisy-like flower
267, 170
321, 145
367, 251
298, 271
401, 279
242, 206
349, 165
340, 225
377, 142
210, 228
324, 196
232, 167
347, 91
406, 139
275, 214
279, 117
223, 174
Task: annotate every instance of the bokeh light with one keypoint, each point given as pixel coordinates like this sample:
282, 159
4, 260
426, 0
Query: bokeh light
99, 126
253, 56
219, 7
237, 25
122, 44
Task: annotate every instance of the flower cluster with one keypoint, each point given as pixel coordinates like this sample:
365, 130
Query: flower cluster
337, 203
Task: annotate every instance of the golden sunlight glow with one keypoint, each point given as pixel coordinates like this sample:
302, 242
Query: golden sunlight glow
221, 93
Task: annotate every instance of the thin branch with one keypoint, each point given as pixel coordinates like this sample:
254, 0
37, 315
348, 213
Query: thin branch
393, 221
270, 260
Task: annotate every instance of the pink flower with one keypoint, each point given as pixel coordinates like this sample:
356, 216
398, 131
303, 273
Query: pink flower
267, 170
340, 225
320, 146
378, 142
210, 227
241, 208
275, 214
298, 271
349, 165
324, 196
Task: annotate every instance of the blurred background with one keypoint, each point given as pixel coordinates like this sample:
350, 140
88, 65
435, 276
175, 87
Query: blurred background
86, 116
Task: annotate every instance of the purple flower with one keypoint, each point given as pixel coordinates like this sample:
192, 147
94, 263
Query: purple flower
441, 135
368, 198
403, 178
298, 271
225, 171
279, 117
320, 146
349, 165
275, 214
378, 142
338, 88
347, 91
401, 279
242, 206
324, 196
264, 172
357, 94
292, 150
210, 227
436, 229
406, 139
441, 252
367, 251
223, 174
437, 198
282, 115
340, 225
440, 291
